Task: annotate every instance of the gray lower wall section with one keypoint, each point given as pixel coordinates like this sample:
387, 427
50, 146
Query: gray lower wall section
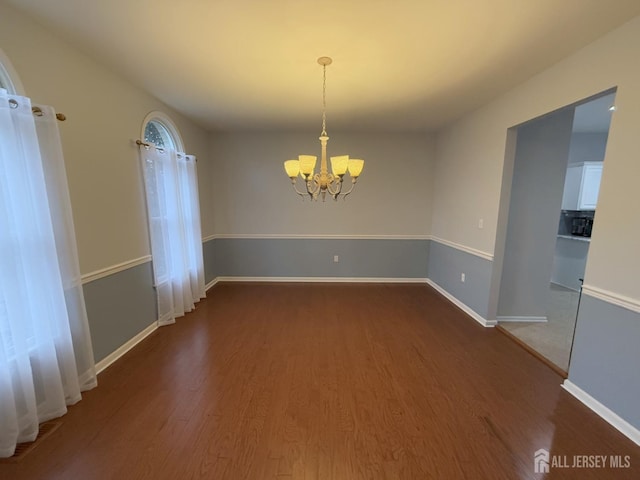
312, 257
605, 356
209, 260
446, 264
119, 307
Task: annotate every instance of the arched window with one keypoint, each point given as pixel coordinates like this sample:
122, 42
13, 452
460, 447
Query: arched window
160, 130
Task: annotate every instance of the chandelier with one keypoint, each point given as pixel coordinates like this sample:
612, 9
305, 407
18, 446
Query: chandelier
320, 183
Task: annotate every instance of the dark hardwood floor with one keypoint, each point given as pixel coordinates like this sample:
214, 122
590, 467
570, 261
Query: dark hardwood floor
318, 381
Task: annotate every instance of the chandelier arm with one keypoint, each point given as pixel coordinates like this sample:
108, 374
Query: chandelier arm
313, 186
295, 187
335, 186
331, 178
353, 185
317, 179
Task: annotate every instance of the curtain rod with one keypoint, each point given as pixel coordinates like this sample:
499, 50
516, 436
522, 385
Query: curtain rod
140, 143
146, 145
38, 111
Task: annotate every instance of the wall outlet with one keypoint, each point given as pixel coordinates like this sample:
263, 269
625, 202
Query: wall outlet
463, 277
481, 223
336, 259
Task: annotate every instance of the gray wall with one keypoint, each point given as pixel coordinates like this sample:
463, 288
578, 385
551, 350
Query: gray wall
445, 266
542, 152
251, 194
313, 257
119, 307
587, 147
605, 357
569, 262
209, 260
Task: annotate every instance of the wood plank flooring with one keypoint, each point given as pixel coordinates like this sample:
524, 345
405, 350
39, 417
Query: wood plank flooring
324, 381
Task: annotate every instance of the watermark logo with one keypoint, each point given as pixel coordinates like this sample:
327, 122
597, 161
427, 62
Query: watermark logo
541, 461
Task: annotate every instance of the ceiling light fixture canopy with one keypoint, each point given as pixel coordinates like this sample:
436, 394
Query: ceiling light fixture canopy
318, 184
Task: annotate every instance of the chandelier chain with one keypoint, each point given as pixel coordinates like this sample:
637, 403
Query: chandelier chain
324, 101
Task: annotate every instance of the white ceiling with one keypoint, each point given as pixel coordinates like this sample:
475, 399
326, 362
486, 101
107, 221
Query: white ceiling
398, 64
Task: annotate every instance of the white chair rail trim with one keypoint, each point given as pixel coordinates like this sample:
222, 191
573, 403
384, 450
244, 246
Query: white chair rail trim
463, 248
119, 267
612, 298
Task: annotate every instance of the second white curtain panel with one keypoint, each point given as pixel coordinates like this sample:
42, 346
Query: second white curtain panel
174, 226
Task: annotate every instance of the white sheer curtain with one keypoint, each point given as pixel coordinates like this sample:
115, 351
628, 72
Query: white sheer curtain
46, 358
171, 185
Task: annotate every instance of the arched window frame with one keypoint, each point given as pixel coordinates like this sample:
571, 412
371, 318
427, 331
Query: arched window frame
165, 121
9, 78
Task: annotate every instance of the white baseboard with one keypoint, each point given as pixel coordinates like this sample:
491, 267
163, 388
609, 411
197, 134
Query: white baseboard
208, 286
469, 311
322, 279
522, 319
103, 364
610, 416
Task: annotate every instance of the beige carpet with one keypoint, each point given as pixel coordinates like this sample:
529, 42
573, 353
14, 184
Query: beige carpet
552, 339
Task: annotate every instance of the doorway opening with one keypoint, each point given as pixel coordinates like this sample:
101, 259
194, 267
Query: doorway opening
550, 214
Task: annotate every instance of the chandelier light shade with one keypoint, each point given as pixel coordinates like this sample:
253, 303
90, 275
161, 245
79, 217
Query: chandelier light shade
323, 182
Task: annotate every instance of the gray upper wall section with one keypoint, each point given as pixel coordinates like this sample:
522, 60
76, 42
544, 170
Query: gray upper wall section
313, 257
